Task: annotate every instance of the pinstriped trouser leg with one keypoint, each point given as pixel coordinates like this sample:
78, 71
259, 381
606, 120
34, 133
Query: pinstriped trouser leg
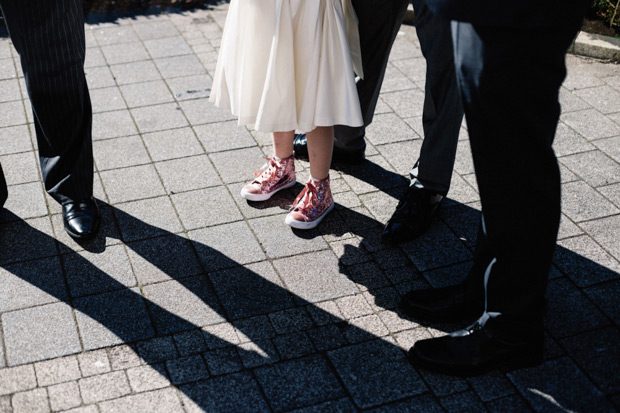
49, 37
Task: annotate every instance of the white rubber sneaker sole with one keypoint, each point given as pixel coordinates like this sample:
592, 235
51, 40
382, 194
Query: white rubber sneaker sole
263, 197
307, 225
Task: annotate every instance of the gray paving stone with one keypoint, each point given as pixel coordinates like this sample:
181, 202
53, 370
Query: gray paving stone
57, 370
31, 283
491, 386
174, 143
187, 174
571, 102
257, 353
230, 171
33, 401
558, 383
354, 306
394, 322
298, 383
591, 124
508, 404
94, 58
124, 53
16, 379
312, 282
191, 87
94, 362
187, 369
20, 168
206, 207
121, 152
107, 99
190, 342
456, 402
368, 275
155, 30
146, 93
605, 231
112, 318
568, 142
10, 90
39, 333
113, 125
585, 262
389, 128
220, 335
98, 77
232, 392
568, 228
217, 137
64, 396
15, 139
12, 113
179, 66
123, 357
114, 35
7, 69
610, 146
135, 72
200, 111
375, 173
167, 47
146, 378
293, 345
407, 103
365, 328
145, 219
159, 117
605, 296
189, 299
603, 98
255, 328
384, 363
157, 349
340, 406
424, 403
85, 409
25, 201
580, 202
162, 401
104, 387
594, 167
570, 311
90, 273
328, 337
291, 320
223, 361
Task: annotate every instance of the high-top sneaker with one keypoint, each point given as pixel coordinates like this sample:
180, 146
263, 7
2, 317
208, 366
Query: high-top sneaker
311, 205
271, 178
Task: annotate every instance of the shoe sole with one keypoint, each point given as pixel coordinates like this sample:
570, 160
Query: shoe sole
263, 197
308, 225
86, 237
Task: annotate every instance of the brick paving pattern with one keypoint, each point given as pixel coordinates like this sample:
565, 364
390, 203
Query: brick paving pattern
193, 299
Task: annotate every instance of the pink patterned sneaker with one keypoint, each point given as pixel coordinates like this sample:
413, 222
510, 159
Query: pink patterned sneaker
311, 205
271, 178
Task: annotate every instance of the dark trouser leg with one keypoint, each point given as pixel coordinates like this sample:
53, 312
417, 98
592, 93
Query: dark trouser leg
49, 37
379, 22
510, 80
443, 112
3, 189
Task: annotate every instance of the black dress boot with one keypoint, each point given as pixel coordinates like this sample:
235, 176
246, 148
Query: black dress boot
300, 146
81, 218
413, 215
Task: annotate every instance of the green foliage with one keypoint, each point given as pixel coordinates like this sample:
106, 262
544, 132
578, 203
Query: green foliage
608, 11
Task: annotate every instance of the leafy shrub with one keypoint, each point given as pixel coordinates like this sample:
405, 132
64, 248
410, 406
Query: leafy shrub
608, 11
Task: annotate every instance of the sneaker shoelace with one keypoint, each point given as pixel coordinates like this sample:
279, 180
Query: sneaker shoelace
267, 172
307, 199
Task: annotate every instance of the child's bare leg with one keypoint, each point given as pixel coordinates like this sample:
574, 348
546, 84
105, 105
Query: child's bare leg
320, 149
283, 144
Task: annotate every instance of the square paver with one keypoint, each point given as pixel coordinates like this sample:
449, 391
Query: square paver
135, 72
594, 167
200, 111
171, 144
146, 378
20, 168
155, 30
119, 153
114, 35
30, 401
15, 139
568, 142
58, 370
124, 53
167, 47
12, 113
178, 66
206, 207
222, 136
36, 240
190, 342
191, 87
603, 98
605, 231
16, 379
93, 363
98, 77
64, 396
107, 99
158, 401
25, 201
223, 361
605, 296
187, 369
580, 202
113, 125
146, 93
147, 218
128, 184
585, 262
591, 124
159, 117
104, 387
186, 174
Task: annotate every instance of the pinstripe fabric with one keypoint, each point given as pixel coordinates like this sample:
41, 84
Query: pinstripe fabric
49, 37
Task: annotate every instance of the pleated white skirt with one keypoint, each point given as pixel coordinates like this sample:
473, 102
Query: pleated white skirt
286, 65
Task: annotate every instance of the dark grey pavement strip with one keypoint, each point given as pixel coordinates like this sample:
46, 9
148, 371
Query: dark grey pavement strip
192, 299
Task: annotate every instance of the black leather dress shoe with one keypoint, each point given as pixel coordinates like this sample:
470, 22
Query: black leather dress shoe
444, 305
412, 216
4, 192
479, 350
300, 146
81, 218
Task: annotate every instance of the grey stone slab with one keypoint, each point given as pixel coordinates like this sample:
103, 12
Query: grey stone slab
570, 311
514, 403
104, 387
206, 207
461, 191
250, 290
365, 328
605, 296
39, 333
147, 378
12, 113
179, 66
98, 77
280, 241
603, 98
84, 409
436, 248
222, 136
558, 383
190, 300
94, 58
64, 396
90, 273
187, 369
254, 328
25, 201
31, 283
276, 205
36, 240
375, 173
594, 167
383, 363
112, 318
200, 111
585, 262
220, 335
146, 93
394, 322
568, 228
425, 403
298, 383
147, 218
159, 117
594, 352
591, 124
59, 370
406, 103
491, 386
135, 72
120, 152
158, 401
233, 392
33, 401
10, 90
167, 47
230, 171
113, 125
186, 174
568, 142
124, 53
155, 30
312, 282
157, 350
7, 69
123, 357
610, 146
605, 231
15, 139
291, 320
171, 144
107, 99
163, 259
129, 184
16, 379
580, 202
328, 337
388, 128
20, 168
114, 35
369, 275
93, 363
395, 80
340, 406
456, 402
191, 87
258, 353
353, 306
223, 361
571, 102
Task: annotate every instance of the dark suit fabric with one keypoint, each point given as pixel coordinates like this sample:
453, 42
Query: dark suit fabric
49, 37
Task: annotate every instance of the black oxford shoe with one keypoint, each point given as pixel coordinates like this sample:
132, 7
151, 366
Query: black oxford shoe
81, 219
4, 192
479, 350
412, 216
300, 146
